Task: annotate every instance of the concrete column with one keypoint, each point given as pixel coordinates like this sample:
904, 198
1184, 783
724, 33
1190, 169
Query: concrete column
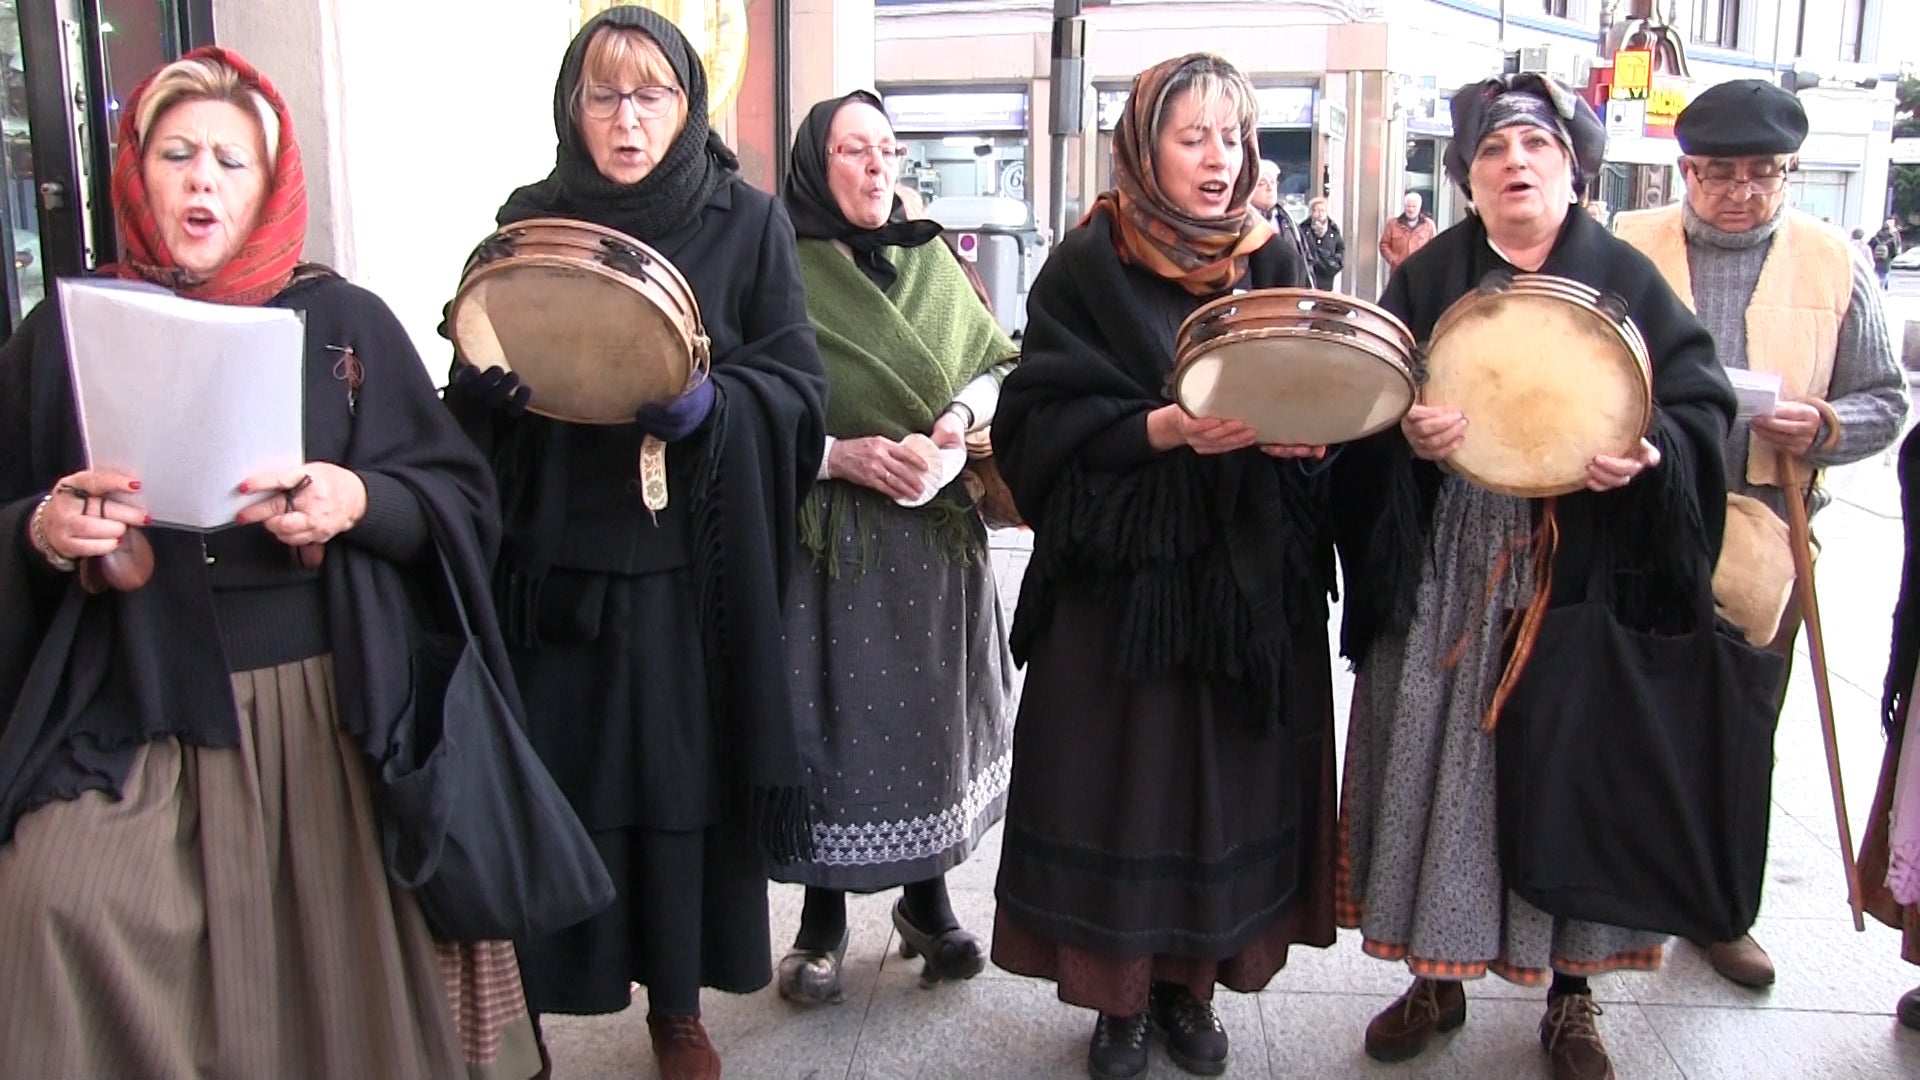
832, 49
416, 120
1378, 146
296, 44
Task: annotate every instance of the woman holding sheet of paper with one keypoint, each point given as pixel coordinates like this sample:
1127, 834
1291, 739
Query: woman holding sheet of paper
191, 876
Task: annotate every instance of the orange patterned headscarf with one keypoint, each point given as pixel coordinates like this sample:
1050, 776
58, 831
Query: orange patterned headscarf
265, 262
1204, 255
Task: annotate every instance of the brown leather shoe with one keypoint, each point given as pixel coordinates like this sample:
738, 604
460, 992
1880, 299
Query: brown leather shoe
681, 1048
1572, 1040
1742, 961
1405, 1027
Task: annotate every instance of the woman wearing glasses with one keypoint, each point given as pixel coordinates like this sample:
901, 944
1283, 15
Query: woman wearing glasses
900, 674
648, 646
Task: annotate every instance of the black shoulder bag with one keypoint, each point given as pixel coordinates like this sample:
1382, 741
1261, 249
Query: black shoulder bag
1636, 770
473, 823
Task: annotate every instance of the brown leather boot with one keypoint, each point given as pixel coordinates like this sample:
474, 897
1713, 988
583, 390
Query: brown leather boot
1742, 961
681, 1048
1572, 1040
1405, 1027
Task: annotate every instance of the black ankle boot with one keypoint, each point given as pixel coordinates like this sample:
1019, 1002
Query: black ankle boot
1119, 1047
1195, 1040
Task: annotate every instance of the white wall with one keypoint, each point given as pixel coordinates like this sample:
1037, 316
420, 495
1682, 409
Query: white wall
447, 107
416, 119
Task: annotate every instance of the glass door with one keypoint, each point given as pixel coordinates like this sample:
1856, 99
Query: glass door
65, 65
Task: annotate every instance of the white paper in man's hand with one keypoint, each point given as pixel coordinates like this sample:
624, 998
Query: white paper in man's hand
190, 398
1758, 391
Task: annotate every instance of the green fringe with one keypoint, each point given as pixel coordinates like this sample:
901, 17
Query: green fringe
952, 529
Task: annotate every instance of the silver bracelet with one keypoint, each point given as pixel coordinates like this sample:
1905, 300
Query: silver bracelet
962, 407
37, 529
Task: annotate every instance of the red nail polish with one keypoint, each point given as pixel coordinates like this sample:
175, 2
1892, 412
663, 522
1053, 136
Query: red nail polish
133, 485
147, 520
241, 518
245, 487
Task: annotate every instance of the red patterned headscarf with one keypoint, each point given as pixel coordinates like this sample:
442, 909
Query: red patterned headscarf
1204, 255
266, 259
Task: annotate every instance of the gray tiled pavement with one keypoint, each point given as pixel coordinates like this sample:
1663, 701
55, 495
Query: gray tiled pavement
1830, 1015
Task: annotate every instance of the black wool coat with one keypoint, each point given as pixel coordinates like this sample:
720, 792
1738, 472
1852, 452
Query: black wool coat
85, 681
1660, 533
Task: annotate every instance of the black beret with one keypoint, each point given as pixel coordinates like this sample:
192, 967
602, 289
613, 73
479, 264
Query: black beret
1743, 118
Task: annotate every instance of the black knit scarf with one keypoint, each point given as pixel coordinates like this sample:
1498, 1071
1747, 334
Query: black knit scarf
665, 199
816, 214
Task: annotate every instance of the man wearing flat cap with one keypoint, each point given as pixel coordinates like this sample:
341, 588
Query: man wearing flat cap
1782, 295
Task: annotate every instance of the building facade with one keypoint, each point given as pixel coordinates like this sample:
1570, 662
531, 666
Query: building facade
418, 118
1354, 93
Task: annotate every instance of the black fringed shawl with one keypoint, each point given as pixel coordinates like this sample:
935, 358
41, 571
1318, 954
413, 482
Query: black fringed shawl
1209, 565
86, 681
1662, 532
1894, 699
744, 474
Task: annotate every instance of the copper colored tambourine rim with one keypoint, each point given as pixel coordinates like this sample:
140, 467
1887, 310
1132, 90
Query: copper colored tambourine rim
1332, 319
658, 282
1582, 298
1329, 305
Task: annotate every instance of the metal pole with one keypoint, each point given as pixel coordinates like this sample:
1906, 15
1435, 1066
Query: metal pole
1057, 188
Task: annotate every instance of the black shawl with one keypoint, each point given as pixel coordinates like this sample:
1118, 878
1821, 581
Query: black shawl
665, 199
744, 474
85, 681
1215, 565
816, 214
1906, 614
1661, 532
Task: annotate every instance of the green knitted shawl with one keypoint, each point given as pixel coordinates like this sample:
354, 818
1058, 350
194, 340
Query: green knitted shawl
894, 361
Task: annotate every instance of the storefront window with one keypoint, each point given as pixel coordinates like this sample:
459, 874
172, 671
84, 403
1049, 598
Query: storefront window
28, 281
962, 142
1822, 193
967, 165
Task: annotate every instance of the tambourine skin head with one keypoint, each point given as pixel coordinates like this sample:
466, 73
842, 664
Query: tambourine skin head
1299, 366
1547, 379
593, 321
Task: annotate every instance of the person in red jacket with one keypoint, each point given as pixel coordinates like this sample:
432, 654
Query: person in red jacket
1407, 233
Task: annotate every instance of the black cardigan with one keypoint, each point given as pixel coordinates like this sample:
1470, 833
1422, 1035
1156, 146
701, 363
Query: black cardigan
1661, 532
85, 681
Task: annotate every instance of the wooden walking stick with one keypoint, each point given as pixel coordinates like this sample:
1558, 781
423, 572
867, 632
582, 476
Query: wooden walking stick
1793, 483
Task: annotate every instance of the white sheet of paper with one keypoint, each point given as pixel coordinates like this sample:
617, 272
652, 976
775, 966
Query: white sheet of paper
188, 397
1759, 392
952, 460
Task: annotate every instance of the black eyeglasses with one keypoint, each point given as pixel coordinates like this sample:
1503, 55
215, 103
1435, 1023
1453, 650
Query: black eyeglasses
649, 102
1720, 180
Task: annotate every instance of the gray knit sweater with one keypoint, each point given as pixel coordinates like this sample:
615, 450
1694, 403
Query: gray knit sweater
1868, 391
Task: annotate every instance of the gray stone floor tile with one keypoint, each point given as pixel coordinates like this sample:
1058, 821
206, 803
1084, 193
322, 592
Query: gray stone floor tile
1805, 882
1004, 1029
1323, 1035
1748, 1044
1822, 964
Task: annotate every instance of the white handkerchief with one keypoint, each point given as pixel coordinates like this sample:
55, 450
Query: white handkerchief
952, 460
